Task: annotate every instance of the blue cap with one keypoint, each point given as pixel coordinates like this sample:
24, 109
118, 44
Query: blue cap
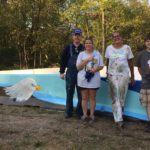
77, 32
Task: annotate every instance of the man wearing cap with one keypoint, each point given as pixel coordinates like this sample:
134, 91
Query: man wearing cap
68, 60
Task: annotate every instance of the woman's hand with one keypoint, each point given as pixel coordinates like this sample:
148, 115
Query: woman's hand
84, 62
96, 69
90, 58
93, 70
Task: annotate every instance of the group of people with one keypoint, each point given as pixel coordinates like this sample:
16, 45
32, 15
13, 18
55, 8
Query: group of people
80, 66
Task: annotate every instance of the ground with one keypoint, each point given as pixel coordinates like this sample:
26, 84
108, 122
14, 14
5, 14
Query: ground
40, 128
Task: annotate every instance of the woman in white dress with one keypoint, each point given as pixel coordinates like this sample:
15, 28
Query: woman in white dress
89, 63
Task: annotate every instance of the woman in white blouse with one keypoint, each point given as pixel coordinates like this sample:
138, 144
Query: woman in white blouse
119, 66
89, 63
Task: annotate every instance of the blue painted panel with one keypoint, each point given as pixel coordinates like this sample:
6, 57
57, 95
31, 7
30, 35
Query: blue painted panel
53, 90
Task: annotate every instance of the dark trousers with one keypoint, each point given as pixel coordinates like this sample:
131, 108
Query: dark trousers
71, 84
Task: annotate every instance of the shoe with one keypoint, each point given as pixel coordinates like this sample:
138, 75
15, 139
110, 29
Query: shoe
79, 117
120, 124
92, 119
84, 118
147, 129
67, 116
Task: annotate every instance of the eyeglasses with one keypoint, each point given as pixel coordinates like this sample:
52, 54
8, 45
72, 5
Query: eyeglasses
116, 36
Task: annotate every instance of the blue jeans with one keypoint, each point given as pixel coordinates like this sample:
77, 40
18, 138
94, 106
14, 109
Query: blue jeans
71, 84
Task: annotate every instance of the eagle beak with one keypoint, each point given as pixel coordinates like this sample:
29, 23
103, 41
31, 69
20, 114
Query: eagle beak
37, 88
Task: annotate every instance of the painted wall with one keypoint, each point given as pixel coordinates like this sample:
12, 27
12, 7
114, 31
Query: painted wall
53, 90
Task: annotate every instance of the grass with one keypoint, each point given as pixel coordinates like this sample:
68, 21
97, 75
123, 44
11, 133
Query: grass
31, 128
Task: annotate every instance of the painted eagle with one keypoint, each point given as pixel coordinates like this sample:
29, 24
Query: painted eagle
22, 90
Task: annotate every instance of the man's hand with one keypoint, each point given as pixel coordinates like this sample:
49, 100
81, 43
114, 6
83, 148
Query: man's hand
62, 76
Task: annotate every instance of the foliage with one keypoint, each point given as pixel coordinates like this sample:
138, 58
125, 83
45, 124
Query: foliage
32, 27
7, 58
39, 29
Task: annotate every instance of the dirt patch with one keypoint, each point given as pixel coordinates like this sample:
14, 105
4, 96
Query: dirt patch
31, 128
2, 92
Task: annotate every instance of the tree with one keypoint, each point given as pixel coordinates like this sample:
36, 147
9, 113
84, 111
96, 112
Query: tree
39, 29
33, 26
